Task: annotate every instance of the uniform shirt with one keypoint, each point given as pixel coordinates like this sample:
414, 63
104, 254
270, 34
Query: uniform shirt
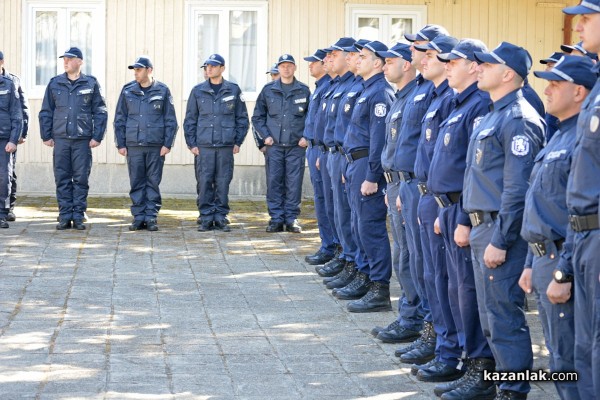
551, 125
345, 108
73, 110
145, 116
447, 169
11, 117
281, 116
410, 129
430, 126
392, 126
342, 86
22, 100
367, 124
321, 87
215, 119
546, 216
499, 162
321, 113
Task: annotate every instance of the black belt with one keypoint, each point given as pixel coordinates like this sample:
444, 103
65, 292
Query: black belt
311, 143
422, 186
333, 149
477, 217
340, 149
540, 249
356, 155
448, 199
391, 176
406, 176
324, 148
580, 223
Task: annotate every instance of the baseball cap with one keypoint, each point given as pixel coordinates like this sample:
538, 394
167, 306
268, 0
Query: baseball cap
572, 69
73, 52
428, 32
464, 49
399, 50
511, 55
141, 62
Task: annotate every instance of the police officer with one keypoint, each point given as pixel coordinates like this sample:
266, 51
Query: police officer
11, 123
545, 217
215, 126
579, 50
580, 260
363, 145
22, 139
550, 120
499, 161
446, 174
145, 128
278, 118
72, 120
273, 72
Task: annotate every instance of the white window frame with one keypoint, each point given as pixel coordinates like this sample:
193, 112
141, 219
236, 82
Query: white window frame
30, 7
355, 11
195, 7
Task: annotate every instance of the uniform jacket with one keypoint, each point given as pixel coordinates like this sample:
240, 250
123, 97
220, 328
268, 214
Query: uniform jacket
321, 86
11, 118
345, 108
22, 100
145, 116
73, 110
345, 81
215, 120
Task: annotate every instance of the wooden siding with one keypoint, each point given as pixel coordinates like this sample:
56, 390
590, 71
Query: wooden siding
157, 28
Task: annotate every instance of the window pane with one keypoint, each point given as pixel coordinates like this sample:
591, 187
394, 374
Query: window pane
45, 46
399, 27
207, 31
368, 28
81, 36
242, 49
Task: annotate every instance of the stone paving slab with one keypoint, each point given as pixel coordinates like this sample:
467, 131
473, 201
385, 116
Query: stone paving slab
178, 314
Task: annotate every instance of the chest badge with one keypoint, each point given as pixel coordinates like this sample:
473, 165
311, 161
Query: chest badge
447, 139
157, 106
594, 122
520, 145
478, 156
346, 108
428, 134
394, 132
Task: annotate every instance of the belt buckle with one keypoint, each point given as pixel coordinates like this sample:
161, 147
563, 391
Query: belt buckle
439, 201
422, 188
475, 218
388, 177
538, 249
574, 221
349, 158
404, 176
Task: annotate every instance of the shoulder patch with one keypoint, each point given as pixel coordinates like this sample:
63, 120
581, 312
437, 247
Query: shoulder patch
380, 110
520, 145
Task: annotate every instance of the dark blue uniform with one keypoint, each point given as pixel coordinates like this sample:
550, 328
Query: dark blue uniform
363, 145
214, 123
72, 114
532, 98
499, 162
409, 315
11, 123
446, 176
281, 116
545, 222
145, 121
435, 274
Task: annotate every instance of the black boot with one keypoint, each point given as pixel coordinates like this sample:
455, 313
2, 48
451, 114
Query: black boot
425, 351
473, 386
355, 289
427, 326
449, 386
376, 299
343, 278
510, 395
331, 268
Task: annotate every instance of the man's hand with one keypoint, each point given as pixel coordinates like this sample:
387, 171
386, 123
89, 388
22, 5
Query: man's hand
93, 143
10, 147
493, 256
436, 227
386, 200
49, 142
559, 293
263, 149
269, 141
368, 188
303, 142
123, 151
236, 149
195, 151
398, 204
22, 140
461, 235
164, 151
318, 164
525, 281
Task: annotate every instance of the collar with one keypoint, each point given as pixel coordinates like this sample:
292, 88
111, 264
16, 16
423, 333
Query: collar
419, 79
568, 123
375, 78
462, 96
321, 80
346, 77
438, 91
506, 100
406, 89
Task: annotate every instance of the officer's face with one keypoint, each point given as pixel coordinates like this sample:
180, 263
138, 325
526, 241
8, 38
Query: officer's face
351, 61
459, 73
366, 63
559, 97
316, 69
417, 55
490, 76
433, 69
214, 71
274, 77
142, 75
338, 62
588, 27
287, 70
72, 65
327, 64
393, 69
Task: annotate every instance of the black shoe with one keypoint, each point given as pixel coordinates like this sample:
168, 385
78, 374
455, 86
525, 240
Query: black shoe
446, 387
64, 224
11, 216
424, 350
199, 220
425, 333
319, 258
343, 278
375, 331
222, 226
275, 227
355, 289
471, 385
403, 350
293, 227
375, 300
331, 268
399, 334
439, 372
79, 225
137, 225
3, 223
414, 369
151, 225
205, 226
510, 395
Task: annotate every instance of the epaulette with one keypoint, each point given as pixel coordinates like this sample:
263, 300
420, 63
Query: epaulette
516, 110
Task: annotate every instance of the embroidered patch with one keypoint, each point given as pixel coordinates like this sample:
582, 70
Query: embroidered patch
555, 154
447, 139
419, 97
520, 145
380, 110
298, 101
594, 122
393, 131
228, 98
155, 98
3, 92
478, 156
454, 120
428, 134
351, 94
171, 100
85, 91
476, 122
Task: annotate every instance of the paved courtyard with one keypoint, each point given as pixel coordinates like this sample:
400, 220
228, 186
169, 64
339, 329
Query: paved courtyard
178, 314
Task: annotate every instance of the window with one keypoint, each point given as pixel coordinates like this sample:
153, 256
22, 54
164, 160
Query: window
235, 30
56, 26
388, 24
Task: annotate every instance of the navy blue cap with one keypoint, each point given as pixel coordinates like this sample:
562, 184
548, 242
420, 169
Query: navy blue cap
73, 52
286, 58
341, 44
510, 55
141, 62
569, 49
399, 50
375, 46
574, 69
585, 7
215, 60
554, 57
273, 69
428, 33
465, 49
318, 56
358, 45
441, 44
1, 55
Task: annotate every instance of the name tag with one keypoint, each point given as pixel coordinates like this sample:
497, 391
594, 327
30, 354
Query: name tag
454, 120
155, 98
485, 133
228, 98
362, 100
351, 94
396, 115
3, 92
298, 101
85, 91
338, 94
431, 114
555, 154
419, 97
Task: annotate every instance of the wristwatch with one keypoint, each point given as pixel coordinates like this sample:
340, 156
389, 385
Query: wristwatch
562, 277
